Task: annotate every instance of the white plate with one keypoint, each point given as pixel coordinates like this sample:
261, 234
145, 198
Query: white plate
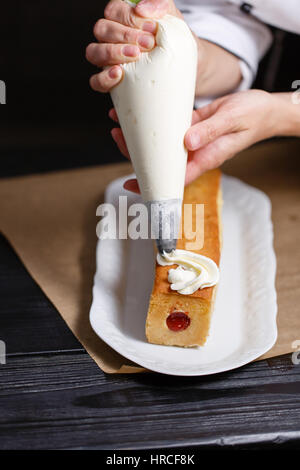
244, 320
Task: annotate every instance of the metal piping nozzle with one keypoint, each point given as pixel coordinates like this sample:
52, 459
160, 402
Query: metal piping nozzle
164, 220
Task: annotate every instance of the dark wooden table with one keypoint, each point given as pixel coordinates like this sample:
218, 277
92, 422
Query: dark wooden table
53, 396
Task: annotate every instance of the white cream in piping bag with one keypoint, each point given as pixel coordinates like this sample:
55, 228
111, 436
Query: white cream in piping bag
154, 103
193, 272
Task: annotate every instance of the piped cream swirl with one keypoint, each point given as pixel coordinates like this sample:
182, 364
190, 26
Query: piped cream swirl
194, 271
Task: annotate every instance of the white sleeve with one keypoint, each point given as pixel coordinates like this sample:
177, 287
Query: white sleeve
227, 26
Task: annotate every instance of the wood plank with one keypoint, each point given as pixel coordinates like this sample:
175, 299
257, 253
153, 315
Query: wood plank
29, 323
65, 401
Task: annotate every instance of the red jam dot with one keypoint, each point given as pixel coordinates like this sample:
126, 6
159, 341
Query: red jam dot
178, 321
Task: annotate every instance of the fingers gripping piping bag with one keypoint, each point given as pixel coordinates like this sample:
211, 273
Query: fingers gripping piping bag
154, 103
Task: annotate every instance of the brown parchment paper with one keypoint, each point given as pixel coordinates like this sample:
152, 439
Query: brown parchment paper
50, 221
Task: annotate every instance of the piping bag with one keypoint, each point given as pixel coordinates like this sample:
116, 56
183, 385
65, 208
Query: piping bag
154, 103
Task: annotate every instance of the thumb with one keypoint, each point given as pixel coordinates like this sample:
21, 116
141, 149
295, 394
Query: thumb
207, 131
152, 8
214, 154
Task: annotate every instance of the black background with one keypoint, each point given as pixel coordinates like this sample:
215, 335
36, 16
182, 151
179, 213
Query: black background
52, 118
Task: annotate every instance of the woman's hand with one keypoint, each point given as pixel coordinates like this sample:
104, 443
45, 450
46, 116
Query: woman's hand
125, 32
221, 129
122, 35
228, 125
